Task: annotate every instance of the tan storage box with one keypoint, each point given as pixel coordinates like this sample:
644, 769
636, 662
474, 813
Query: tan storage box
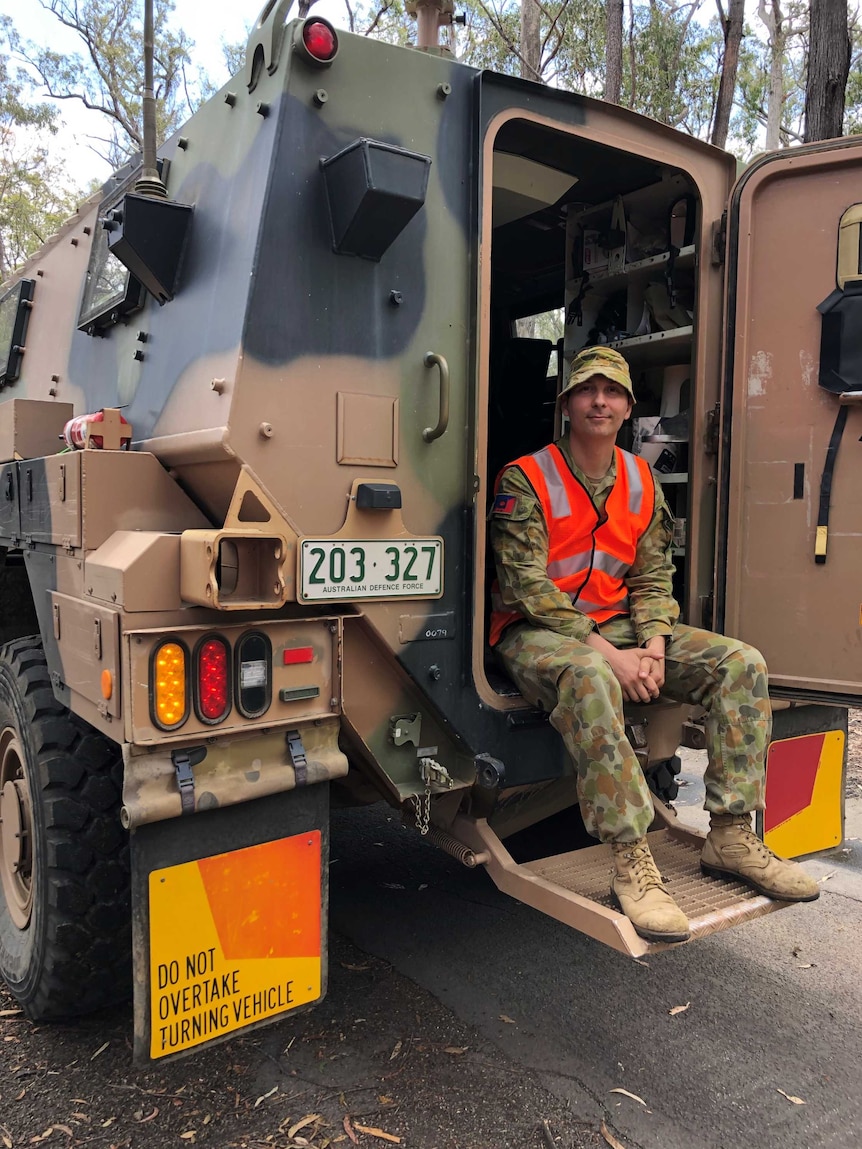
31, 428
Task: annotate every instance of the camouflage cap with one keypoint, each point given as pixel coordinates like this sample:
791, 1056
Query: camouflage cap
598, 361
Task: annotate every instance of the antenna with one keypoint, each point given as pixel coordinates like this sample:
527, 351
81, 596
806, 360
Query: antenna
150, 182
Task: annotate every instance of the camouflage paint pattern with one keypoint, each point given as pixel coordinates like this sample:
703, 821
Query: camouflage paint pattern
291, 368
576, 687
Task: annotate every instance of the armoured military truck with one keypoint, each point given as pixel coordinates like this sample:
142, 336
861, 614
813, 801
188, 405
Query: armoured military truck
249, 432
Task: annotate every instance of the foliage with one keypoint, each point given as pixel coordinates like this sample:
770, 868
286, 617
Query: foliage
35, 195
106, 74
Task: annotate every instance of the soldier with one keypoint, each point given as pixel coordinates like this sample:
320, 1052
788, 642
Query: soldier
584, 618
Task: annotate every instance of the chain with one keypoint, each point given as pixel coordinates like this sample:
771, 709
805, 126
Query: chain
422, 802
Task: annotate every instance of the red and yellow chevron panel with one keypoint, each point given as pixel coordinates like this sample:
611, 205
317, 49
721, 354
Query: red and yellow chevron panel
804, 794
234, 939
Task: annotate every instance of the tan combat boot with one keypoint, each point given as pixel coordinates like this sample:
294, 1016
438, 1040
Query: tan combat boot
732, 850
641, 894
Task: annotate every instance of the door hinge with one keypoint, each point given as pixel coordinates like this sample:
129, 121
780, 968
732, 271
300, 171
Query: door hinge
712, 430
707, 606
719, 240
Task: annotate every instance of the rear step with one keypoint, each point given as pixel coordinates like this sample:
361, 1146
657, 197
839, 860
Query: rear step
574, 888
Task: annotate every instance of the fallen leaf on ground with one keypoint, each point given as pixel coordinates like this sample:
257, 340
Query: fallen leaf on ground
264, 1096
826, 877
294, 1129
7, 1137
806, 965
355, 968
189, 1135
378, 1133
790, 1097
679, 1009
455, 1050
396, 1049
609, 1137
348, 1129
639, 962
393, 886
141, 1120
626, 1093
101, 1049
10, 1012
508, 1020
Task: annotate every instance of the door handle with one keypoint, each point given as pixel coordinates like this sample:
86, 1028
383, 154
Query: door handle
432, 359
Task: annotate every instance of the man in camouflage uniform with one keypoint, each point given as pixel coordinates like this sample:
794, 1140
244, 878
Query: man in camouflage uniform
580, 671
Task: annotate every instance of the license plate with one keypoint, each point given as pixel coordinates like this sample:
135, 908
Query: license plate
370, 568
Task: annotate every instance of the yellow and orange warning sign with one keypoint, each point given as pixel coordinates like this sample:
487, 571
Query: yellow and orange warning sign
804, 794
234, 938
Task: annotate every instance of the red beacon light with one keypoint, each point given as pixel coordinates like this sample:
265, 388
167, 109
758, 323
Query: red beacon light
319, 41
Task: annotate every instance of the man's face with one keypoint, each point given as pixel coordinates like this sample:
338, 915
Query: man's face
597, 409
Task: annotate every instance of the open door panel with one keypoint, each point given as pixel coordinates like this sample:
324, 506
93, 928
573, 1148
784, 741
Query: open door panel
783, 583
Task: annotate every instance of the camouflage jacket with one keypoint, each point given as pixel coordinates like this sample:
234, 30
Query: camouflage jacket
520, 543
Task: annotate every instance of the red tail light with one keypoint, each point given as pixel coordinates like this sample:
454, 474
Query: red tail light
212, 679
320, 40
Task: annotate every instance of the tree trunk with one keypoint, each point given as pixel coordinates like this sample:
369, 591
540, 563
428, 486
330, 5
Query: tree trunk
773, 19
828, 69
733, 25
531, 50
614, 51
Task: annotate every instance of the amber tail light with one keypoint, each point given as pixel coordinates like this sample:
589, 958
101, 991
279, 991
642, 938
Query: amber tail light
169, 681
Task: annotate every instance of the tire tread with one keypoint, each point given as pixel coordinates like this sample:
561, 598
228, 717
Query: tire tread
85, 961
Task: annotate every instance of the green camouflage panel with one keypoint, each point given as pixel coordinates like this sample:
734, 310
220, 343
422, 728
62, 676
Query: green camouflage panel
576, 685
520, 543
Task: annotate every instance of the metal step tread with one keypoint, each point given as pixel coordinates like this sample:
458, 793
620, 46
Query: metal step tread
575, 887
588, 873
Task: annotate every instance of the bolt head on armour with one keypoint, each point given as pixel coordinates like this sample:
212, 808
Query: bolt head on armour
598, 361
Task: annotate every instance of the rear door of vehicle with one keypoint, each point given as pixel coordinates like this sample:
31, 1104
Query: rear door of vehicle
791, 457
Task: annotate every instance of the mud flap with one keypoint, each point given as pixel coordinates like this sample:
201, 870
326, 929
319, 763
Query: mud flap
805, 781
229, 918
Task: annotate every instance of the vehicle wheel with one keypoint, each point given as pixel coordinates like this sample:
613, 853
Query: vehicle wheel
65, 935
661, 778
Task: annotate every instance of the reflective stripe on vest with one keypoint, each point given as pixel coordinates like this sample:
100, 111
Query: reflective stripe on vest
588, 554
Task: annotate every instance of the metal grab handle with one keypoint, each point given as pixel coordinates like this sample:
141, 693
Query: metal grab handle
432, 359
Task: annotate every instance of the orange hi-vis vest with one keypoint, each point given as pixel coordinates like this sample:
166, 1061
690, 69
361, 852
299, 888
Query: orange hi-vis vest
589, 553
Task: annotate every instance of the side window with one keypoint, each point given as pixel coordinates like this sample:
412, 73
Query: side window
544, 325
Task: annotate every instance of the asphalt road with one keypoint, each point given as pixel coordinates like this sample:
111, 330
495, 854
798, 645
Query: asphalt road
773, 1007
457, 1018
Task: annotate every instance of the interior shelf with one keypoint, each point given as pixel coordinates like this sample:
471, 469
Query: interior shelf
673, 477
638, 269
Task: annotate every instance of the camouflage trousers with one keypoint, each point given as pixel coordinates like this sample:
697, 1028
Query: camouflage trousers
577, 687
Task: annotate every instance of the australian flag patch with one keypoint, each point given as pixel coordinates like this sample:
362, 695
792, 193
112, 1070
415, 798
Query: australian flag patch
504, 504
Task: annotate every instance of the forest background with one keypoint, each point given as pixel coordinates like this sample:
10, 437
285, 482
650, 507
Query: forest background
748, 76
